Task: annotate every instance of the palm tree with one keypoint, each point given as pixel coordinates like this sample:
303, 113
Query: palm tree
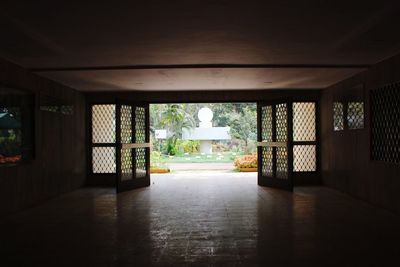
175, 118
156, 113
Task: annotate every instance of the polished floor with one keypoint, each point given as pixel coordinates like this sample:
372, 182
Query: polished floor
202, 220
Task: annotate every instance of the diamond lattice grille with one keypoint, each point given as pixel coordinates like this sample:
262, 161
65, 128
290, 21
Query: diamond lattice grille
304, 121
304, 131
140, 162
385, 124
266, 123
140, 134
103, 123
281, 163
140, 125
126, 124
355, 115
281, 123
126, 164
338, 121
304, 158
267, 163
103, 159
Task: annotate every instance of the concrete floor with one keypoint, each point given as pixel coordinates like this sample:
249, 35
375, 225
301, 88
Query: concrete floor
211, 219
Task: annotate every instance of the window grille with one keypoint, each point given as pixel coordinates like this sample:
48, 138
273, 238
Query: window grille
338, 116
385, 124
355, 115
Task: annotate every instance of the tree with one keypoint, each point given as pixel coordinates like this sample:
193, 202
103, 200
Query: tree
240, 117
243, 126
156, 112
174, 119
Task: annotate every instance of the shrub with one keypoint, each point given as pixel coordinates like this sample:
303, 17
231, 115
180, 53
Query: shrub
171, 149
156, 160
220, 147
246, 161
189, 146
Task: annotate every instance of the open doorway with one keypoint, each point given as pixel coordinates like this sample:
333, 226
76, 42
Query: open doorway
203, 137
121, 139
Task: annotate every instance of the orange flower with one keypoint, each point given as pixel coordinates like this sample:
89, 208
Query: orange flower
247, 161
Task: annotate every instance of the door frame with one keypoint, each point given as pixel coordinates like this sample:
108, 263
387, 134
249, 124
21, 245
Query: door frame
239, 96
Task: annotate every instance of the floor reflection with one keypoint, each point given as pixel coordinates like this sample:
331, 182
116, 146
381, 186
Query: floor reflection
216, 219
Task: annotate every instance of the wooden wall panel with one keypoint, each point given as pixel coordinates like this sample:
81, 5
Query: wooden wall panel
204, 96
346, 163
60, 156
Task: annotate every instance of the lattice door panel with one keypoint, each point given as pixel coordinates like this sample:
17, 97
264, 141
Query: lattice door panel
141, 162
282, 166
267, 167
126, 164
133, 147
266, 120
126, 124
281, 136
281, 123
140, 125
267, 164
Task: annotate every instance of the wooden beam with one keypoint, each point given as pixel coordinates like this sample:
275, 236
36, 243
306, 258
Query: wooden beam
205, 66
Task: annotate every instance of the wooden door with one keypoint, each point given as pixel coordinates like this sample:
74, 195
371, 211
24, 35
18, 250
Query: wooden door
133, 146
275, 152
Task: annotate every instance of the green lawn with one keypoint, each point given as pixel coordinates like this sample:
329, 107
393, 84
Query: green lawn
224, 157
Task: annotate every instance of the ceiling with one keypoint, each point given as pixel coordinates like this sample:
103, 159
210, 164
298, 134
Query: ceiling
199, 44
